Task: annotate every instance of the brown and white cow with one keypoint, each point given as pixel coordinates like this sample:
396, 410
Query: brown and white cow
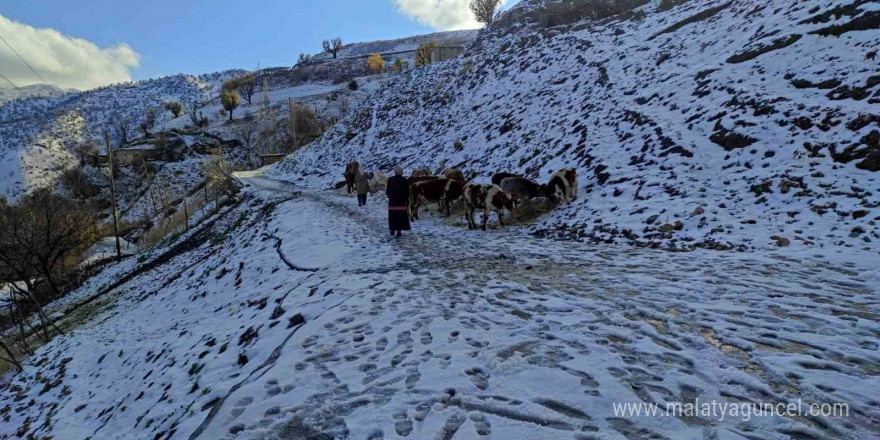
351, 170
456, 175
498, 177
487, 197
563, 185
442, 191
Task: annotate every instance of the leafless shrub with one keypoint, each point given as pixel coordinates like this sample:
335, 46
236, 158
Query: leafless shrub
332, 46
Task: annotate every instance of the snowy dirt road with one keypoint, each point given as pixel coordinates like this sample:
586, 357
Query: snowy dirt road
499, 335
304, 319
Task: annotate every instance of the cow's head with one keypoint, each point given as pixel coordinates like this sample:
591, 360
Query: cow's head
551, 192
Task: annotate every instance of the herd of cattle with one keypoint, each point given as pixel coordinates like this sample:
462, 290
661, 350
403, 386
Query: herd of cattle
506, 191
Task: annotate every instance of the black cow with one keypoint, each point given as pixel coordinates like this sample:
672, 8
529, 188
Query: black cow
524, 188
498, 177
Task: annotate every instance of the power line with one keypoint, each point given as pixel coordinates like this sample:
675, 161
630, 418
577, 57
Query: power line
10, 82
23, 60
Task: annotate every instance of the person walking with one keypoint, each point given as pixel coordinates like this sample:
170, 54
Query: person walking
397, 191
362, 187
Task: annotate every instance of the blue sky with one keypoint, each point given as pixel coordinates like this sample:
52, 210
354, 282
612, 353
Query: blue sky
198, 36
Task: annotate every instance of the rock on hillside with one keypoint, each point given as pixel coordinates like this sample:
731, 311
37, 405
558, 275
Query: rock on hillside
710, 123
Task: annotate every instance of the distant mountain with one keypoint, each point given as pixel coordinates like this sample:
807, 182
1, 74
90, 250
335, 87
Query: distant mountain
33, 91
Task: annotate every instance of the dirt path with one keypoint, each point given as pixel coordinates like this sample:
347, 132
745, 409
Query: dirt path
501, 335
297, 316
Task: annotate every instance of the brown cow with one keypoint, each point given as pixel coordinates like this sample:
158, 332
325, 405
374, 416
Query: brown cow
564, 182
487, 197
442, 191
498, 177
456, 175
421, 172
412, 180
351, 170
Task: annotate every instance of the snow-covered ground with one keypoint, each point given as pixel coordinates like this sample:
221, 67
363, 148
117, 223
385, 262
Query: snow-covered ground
297, 316
720, 124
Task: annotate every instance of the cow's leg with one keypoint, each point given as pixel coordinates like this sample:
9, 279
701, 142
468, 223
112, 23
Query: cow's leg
485, 217
500, 217
468, 215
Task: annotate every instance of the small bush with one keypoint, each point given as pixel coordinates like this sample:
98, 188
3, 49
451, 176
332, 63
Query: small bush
423, 54
353, 85
375, 63
175, 108
399, 65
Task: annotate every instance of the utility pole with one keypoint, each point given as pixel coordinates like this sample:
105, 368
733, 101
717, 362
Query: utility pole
113, 196
292, 122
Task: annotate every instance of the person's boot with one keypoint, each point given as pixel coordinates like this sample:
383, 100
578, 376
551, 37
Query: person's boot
399, 234
392, 233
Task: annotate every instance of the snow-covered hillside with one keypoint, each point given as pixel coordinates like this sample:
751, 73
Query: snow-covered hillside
710, 123
407, 44
38, 136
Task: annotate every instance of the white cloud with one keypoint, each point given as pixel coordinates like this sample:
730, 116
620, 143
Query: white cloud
440, 14
64, 61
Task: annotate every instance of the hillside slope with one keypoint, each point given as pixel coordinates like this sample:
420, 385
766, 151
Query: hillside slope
412, 43
38, 135
721, 124
293, 315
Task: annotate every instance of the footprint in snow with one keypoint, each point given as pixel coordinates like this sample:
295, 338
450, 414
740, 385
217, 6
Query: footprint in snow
481, 423
479, 377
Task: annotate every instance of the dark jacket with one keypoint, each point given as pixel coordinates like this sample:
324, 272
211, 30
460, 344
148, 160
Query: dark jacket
362, 183
397, 191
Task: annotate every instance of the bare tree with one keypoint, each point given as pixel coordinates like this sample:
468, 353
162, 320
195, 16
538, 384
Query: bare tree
332, 46
245, 85
149, 122
42, 239
197, 118
43, 236
122, 129
304, 58
485, 11
246, 133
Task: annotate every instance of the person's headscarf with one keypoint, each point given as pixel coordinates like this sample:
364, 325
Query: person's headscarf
398, 170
